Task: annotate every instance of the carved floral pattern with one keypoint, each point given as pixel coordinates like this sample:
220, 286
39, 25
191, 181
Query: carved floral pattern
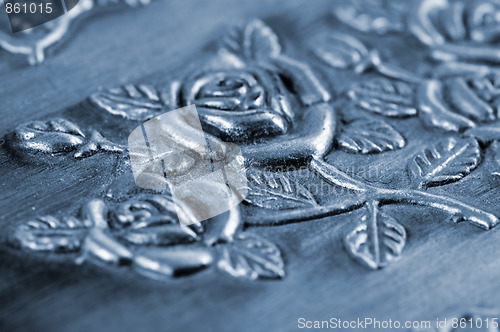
247, 98
144, 233
249, 93
462, 34
458, 104
458, 30
281, 114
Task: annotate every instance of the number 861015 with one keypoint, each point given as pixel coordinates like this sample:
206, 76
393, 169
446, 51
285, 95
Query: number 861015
28, 8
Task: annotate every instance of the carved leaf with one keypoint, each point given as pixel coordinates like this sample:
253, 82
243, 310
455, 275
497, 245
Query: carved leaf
380, 16
445, 162
56, 137
255, 41
251, 257
49, 233
133, 102
369, 136
52, 136
339, 50
384, 96
277, 191
377, 241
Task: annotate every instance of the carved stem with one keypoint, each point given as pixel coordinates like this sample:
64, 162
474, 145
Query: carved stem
459, 210
298, 215
331, 174
335, 176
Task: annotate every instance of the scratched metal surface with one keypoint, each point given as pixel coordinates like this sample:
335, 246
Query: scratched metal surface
419, 265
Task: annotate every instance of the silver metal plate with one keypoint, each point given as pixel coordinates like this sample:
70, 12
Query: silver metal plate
370, 135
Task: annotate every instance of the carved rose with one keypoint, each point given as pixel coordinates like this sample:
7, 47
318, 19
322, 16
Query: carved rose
254, 108
238, 105
273, 106
154, 220
459, 30
247, 92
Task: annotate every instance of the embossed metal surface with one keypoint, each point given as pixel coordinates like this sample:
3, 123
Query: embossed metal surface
370, 131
